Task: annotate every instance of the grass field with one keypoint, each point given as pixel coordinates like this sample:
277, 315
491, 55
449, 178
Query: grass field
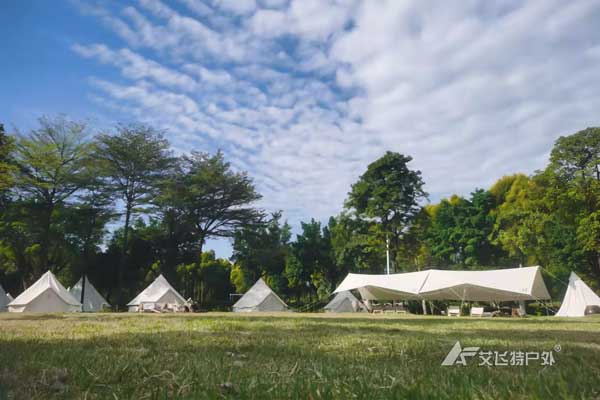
298, 356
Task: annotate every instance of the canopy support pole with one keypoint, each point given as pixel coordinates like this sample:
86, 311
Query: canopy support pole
387, 253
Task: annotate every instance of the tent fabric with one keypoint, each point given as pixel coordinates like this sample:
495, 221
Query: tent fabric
47, 294
4, 300
260, 297
394, 286
578, 297
345, 302
158, 292
492, 285
93, 301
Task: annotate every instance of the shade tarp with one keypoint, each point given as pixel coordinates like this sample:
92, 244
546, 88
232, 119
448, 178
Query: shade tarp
47, 294
259, 297
388, 287
4, 300
345, 302
509, 284
92, 301
157, 293
578, 298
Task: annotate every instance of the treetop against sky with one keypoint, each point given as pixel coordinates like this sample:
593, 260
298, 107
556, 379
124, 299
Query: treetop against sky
304, 94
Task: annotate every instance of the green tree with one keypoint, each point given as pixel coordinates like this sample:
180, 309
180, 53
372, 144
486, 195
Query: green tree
134, 162
214, 200
6, 163
261, 251
51, 166
389, 192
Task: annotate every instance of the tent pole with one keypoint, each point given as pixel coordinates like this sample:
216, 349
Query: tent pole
387, 253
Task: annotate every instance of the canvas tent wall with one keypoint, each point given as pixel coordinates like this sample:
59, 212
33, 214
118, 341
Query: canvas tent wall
345, 302
93, 301
157, 293
512, 284
4, 300
260, 297
578, 299
47, 294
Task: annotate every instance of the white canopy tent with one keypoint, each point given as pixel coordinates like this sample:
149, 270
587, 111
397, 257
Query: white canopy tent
403, 286
512, 284
4, 300
345, 302
260, 297
92, 300
158, 293
45, 295
578, 299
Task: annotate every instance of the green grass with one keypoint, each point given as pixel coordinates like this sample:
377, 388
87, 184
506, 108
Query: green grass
298, 356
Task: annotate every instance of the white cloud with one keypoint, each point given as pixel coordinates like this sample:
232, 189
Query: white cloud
305, 94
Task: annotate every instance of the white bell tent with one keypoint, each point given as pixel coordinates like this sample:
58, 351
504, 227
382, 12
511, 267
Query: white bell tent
45, 295
158, 293
345, 302
92, 301
4, 300
512, 284
260, 297
578, 299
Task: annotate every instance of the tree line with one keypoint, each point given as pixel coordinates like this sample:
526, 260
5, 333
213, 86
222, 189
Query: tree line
121, 207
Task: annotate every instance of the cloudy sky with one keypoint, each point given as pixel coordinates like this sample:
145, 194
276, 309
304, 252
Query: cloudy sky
303, 94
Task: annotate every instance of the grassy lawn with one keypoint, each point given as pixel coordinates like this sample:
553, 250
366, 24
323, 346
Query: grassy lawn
300, 356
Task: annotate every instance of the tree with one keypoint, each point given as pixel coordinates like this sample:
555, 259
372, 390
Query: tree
260, 250
459, 231
51, 164
133, 162
389, 192
213, 199
310, 265
6, 164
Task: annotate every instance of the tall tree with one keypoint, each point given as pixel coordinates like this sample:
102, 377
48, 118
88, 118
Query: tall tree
261, 250
134, 162
51, 161
6, 165
215, 200
390, 192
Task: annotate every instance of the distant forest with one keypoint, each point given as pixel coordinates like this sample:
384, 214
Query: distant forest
62, 187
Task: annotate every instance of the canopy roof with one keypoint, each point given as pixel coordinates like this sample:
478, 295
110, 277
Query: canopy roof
155, 291
345, 302
92, 301
260, 297
47, 281
579, 296
492, 285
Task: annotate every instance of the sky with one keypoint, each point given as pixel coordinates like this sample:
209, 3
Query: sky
304, 94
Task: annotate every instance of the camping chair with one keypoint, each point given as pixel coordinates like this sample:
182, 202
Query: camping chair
399, 307
389, 308
454, 311
148, 308
377, 308
478, 312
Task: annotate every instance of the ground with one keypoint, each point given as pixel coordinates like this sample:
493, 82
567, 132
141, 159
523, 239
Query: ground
299, 356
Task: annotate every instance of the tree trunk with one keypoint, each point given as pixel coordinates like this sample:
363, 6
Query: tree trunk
123, 265
45, 245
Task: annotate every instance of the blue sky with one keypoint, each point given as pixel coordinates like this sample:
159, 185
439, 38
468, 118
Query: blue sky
303, 94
